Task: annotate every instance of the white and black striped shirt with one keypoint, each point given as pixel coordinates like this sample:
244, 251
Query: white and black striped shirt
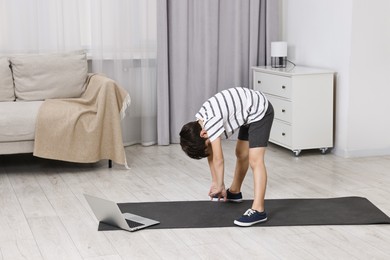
229, 109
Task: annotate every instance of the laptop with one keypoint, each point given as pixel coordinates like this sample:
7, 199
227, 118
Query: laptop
108, 212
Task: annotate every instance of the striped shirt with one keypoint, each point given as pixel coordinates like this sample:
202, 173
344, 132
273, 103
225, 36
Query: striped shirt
229, 109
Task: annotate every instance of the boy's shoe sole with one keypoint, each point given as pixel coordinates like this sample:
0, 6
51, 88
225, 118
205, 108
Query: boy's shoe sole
246, 224
229, 200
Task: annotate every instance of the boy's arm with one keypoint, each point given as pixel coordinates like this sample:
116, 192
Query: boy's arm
216, 163
211, 165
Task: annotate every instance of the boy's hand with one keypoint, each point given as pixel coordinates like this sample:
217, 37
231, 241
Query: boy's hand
218, 191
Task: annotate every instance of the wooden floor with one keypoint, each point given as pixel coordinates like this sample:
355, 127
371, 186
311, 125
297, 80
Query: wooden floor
43, 214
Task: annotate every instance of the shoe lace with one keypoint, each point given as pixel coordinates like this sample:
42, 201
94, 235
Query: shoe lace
249, 212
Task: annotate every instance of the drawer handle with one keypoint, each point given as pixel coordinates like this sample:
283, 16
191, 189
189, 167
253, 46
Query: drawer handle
283, 110
283, 87
283, 134
259, 82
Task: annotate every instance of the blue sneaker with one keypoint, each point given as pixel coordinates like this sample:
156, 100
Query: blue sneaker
231, 197
250, 218
234, 197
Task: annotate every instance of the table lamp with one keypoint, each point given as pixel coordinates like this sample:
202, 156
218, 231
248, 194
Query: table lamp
278, 54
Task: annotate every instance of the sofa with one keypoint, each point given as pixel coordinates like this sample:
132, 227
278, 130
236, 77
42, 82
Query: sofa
26, 83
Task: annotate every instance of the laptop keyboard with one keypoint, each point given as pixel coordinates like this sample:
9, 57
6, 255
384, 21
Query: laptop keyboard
133, 224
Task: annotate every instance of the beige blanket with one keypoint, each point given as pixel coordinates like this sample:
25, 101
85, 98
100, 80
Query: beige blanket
85, 129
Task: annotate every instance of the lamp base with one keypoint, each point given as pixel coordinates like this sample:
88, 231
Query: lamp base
278, 62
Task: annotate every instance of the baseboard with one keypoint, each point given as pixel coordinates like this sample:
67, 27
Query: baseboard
361, 153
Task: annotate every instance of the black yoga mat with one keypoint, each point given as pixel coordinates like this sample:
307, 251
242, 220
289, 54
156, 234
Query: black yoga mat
281, 212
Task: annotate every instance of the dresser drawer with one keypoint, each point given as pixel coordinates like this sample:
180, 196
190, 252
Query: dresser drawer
273, 84
282, 108
281, 133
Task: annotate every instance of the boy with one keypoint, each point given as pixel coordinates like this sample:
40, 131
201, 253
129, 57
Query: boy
221, 115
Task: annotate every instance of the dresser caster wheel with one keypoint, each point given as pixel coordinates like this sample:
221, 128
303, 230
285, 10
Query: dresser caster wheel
323, 150
296, 152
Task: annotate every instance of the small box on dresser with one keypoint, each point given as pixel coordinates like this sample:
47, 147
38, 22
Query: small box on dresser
302, 98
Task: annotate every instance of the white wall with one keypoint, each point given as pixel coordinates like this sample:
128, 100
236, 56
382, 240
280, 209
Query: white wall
369, 105
341, 35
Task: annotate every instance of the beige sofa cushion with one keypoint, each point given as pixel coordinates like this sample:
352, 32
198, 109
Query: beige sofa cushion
43, 76
17, 120
6, 82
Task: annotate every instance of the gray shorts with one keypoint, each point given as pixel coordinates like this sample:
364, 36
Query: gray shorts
257, 133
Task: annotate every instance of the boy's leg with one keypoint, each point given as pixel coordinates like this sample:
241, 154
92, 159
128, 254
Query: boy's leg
242, 164
258, 135
256, 161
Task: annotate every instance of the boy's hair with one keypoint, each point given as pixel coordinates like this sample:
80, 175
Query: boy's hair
191, 142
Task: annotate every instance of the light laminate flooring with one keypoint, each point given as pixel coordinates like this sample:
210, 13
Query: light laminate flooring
43, 214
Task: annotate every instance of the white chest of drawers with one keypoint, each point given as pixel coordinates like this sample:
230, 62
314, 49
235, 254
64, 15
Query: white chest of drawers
302, 98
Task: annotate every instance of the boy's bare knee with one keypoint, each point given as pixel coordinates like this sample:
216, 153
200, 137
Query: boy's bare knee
256, 157
242, 150
256, 162
241, 154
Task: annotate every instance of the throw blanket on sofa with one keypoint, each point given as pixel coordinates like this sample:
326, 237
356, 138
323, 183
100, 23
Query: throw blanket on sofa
85, 129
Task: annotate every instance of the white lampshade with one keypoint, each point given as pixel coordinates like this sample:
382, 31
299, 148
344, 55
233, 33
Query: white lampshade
278, 49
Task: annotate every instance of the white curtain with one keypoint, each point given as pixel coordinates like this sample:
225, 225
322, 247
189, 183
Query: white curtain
120, 38
38, 26
124, 46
